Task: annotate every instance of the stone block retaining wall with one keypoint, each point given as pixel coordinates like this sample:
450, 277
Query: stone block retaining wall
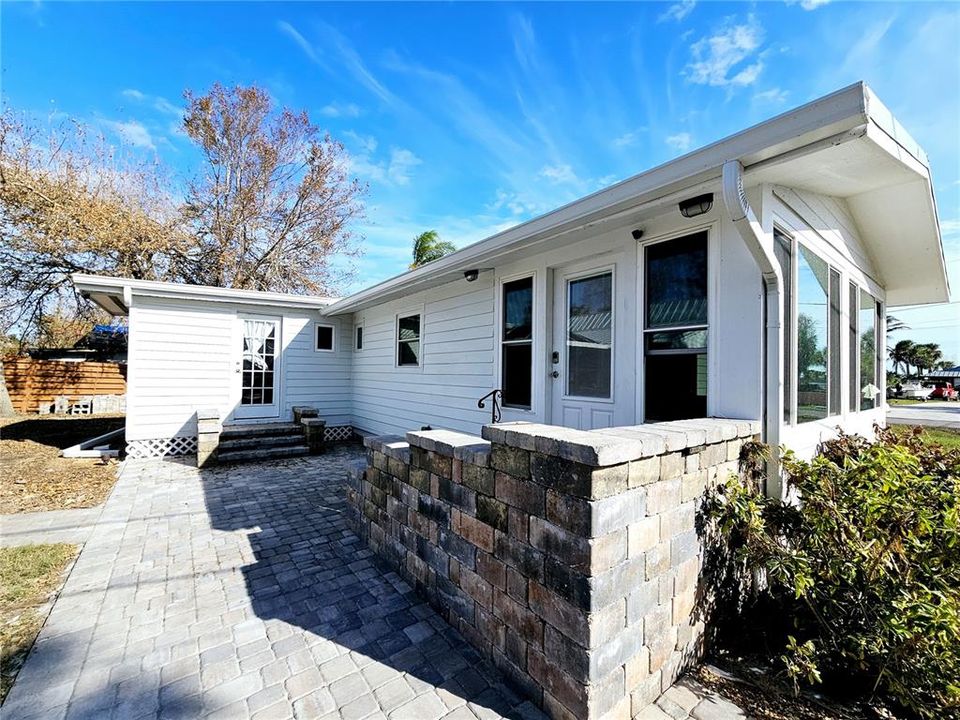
569, 558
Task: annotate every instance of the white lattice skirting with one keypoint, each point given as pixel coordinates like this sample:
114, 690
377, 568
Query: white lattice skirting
338, 433
161, 447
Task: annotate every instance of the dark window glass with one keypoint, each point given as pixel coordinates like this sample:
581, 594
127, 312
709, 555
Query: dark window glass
834, 346
408, 340
324, 337
812, 343
675, 377
590, 336
868, 351
517, 344
676, 284
783, 249
853, 309
680, 389
360, 338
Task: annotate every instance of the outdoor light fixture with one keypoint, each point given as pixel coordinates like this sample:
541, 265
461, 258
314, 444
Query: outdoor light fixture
699, 205
637, 234
470, 275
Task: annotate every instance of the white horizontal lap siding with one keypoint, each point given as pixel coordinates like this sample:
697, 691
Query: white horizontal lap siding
179, 361
317, 379
456, 361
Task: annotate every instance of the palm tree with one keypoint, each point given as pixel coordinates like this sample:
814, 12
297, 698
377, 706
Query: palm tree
427, 247
894, 324
900, 354
929, 355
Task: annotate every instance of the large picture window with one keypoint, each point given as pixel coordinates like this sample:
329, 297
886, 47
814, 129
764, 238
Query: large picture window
675, 329
408, 340
516, 352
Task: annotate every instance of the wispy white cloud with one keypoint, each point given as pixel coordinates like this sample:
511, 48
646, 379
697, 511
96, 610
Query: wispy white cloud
773, 96
628, 139
680, 142
719, 60
402, 162
678, 11
294, 34
396, 169
131, 132
133, 94
809, 4
558, 174
338, 110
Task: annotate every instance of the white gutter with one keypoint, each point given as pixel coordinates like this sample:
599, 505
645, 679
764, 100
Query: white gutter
745, 221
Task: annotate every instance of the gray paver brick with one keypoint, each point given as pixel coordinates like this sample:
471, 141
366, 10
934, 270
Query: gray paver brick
237, 592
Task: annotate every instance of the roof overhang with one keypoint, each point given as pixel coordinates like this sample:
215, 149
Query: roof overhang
115, 295
846, 144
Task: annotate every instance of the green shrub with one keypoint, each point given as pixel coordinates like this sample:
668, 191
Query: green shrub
861, 577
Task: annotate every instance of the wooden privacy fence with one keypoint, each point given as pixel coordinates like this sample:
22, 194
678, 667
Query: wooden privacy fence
31, 382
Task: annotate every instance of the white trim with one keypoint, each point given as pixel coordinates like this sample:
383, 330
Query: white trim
316, 338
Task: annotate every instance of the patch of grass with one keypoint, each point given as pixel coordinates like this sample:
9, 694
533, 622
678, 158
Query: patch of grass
903, 401
950, 439
29, 575
34, 477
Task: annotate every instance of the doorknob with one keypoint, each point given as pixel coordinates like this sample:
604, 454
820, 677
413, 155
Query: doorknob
555, 374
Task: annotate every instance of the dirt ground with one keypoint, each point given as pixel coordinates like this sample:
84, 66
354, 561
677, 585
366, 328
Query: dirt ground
32, 475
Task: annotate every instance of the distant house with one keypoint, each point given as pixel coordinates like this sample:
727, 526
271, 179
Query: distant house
747, 279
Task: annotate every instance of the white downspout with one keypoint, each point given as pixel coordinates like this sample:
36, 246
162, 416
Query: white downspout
745, 221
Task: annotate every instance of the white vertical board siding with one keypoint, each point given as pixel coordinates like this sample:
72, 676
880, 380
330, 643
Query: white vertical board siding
456, 361
183, 355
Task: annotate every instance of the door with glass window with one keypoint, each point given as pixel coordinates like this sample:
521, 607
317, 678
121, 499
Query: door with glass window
257, 368
583, 359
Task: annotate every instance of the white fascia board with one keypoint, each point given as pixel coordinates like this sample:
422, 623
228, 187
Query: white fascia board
98, 285
823, 118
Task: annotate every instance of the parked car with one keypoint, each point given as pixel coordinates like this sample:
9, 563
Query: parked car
915, 391
944, 391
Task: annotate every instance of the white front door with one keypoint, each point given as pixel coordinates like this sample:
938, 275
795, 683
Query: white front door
584, 349
257, 367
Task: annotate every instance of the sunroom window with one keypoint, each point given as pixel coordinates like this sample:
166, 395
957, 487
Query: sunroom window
869, 313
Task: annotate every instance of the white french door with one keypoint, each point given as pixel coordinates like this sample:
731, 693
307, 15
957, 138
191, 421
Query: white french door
585, 350
257, 368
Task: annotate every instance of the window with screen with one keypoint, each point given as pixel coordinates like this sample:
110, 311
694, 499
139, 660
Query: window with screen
516, 344
675, 329
408, 340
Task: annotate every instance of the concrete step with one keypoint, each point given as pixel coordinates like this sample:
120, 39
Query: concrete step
246, 442
262, 453
261, 430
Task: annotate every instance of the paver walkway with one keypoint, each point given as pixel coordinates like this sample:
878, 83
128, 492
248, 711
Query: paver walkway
53, 526
240, 592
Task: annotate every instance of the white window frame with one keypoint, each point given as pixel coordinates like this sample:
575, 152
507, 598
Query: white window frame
333, 337
396, 338
361, 327
501, 309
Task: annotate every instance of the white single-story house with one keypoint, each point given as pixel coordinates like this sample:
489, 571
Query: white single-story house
747, 279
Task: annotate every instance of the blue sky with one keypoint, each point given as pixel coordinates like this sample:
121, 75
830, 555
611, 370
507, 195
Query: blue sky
468, 118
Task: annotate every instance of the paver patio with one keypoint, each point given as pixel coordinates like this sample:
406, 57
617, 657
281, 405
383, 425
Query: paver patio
240, 592
53, 526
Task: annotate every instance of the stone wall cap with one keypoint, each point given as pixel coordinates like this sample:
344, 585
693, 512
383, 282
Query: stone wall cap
612, 446
390, 445
312, 421
208, 414
450, 443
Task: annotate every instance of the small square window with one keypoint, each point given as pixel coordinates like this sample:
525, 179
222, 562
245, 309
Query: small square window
324, 338
359, 343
